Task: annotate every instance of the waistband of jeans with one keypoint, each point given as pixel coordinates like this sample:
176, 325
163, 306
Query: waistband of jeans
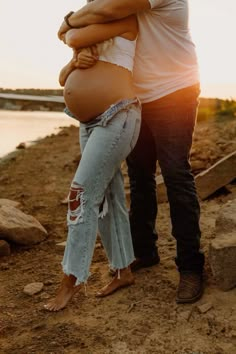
192, 88
116, 107
192, 91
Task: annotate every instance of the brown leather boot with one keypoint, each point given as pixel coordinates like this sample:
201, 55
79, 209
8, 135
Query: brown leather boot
190, 287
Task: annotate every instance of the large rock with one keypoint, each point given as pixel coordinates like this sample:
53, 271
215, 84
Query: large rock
217, 176
222, 250
226, 219
9, 202
18, 227
209, 181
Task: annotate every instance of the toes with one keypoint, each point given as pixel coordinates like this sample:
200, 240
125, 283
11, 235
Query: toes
48, 307
101, 294
103, 291
51, 307
109, 289
113, 286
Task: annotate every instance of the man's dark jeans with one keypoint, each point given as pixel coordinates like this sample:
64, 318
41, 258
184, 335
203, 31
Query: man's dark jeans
166, 135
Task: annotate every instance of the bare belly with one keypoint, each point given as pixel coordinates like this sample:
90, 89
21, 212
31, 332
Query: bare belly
90, 92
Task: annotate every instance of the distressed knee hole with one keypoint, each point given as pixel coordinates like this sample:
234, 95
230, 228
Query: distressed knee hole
76, 203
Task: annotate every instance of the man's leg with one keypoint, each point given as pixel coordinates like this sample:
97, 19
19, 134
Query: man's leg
143, 209
175, 119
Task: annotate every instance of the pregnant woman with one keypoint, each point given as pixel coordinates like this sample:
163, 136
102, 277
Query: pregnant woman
103, 100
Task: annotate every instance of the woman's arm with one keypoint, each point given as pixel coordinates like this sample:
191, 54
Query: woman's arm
65, 72
68, 68
93, 34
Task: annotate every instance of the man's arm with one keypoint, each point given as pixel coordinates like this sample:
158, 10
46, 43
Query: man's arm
102, 11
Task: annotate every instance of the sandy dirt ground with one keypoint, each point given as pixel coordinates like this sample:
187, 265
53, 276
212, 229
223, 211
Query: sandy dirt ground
141, 319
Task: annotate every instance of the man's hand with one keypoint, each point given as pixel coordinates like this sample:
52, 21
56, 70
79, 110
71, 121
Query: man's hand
86, 58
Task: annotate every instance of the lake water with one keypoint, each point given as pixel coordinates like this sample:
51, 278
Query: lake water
24, 126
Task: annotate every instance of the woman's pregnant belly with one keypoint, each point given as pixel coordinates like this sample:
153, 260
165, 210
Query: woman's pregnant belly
89, 92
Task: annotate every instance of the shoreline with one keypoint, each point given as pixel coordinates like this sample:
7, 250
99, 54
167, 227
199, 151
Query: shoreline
13, 154
27, 128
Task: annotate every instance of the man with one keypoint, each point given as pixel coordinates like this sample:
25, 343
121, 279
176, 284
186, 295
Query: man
167, 82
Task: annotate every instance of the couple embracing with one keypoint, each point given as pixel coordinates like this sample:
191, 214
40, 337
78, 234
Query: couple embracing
133, 84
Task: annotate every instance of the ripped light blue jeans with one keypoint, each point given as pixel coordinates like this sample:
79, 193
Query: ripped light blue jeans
97, 197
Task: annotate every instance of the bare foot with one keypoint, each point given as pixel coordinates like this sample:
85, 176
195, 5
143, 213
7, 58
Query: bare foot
66, 291
125, 278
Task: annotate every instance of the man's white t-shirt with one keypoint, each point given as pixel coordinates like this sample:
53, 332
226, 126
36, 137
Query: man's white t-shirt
165, 59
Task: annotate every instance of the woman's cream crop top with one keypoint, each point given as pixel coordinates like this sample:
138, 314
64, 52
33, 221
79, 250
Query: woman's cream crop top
119, 51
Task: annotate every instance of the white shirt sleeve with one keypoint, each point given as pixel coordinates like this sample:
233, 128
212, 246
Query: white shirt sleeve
155, 3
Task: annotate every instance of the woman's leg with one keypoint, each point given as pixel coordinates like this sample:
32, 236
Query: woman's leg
114, 229
106, 147
67, 288
114, 226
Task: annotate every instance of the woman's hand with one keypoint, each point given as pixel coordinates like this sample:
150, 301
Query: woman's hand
86, 57
63, 38
62, 31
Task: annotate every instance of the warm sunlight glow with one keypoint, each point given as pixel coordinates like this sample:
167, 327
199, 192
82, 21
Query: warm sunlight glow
31, 54
213, 27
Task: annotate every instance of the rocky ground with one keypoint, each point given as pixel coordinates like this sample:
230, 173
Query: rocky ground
142, 319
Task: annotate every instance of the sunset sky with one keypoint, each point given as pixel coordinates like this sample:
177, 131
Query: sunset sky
31, 55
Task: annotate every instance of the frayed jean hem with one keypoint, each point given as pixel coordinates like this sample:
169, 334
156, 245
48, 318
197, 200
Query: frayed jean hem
79, 279
114, 266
